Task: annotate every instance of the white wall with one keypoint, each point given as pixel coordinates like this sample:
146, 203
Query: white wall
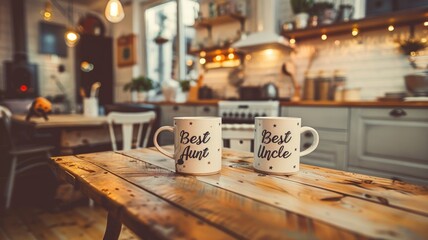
371, 62
47, 64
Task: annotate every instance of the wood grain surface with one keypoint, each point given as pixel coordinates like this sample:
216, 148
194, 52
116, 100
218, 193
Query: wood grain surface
142, 189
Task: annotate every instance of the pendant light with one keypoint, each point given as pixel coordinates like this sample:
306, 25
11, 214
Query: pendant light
114, 11
47, 12
71, 36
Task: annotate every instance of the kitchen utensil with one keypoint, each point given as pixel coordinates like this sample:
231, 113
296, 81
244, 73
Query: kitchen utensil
95, 89
269, 91
236, 76
250, 93
346, 11
205, 93
417, 84
289, 69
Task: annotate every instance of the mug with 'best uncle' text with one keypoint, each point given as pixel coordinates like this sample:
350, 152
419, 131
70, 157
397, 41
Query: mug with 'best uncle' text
197, 144
277, 144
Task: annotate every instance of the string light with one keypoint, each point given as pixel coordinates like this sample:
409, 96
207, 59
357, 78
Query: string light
391, 28
47, 12
337, 42
354, 31
426, 23
292, 41
71, 38
324, 37
202, 54
231, 56
202, 61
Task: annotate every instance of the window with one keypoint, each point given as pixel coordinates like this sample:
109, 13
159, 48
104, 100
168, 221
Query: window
162, 48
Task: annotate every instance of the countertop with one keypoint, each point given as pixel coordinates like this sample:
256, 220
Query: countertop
421, 104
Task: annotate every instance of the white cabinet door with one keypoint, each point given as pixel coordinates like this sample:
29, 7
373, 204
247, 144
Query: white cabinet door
206, 111
332, 126
390, 140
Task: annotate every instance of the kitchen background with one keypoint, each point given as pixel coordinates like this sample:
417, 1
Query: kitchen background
371, 61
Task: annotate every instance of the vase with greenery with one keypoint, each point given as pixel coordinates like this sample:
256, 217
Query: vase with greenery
139, 87
301, 12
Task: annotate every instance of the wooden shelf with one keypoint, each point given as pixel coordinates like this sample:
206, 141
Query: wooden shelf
209, 22
399, 18
208, 50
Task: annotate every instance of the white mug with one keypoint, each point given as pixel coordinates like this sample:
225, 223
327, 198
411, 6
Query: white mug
277, 144
90, 107
197, 144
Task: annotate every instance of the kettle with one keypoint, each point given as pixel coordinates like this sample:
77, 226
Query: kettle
269, 91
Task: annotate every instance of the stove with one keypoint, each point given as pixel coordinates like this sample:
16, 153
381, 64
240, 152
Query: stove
246, 111
238, 121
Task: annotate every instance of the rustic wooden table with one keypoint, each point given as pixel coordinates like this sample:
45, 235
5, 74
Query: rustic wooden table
72, 130
141, 189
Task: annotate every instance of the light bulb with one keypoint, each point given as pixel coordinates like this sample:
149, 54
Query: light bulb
391, 28
202, 61
354, 31
292, 41
71, 38
324, 37
114, 11
47, 11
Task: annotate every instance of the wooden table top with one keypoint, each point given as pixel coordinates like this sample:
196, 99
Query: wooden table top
143, 190
61, 120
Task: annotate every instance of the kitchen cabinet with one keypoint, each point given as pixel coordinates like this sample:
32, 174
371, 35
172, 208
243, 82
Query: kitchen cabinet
332, 124
390, 142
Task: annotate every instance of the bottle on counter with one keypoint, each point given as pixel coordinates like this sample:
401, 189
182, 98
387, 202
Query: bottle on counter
309, 86
212, 7
339, 80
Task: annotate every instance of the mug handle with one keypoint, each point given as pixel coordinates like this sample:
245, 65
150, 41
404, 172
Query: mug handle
314, 143
155, 140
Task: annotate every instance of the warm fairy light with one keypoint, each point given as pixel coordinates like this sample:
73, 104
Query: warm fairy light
47, 11
217, 58
248, 57
412, 54
423, 40
71, 38
324, 37
231, 56
354, 32
230, 50
391, 28
292, 41
337, 42
426, 23
202, 61
189, 62
202, 54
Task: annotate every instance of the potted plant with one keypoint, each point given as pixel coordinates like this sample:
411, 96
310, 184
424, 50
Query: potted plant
324, 11
139, 87
301, 12
185, 87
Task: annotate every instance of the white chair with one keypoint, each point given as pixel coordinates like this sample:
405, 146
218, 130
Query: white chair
128, 120
24, 157
238, 136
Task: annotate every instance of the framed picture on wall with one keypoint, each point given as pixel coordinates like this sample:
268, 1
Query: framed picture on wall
126, 53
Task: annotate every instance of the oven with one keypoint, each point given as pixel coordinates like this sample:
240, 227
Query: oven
238, 121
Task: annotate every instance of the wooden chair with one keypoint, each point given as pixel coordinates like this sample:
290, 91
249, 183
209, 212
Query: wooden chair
238, 136
127, 121
24, 157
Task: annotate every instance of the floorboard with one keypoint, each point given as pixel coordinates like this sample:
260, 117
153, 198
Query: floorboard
80, 222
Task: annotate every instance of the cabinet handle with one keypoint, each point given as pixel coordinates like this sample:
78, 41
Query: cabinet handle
206, 109
306, 145
308, 134
175, 108
397, 112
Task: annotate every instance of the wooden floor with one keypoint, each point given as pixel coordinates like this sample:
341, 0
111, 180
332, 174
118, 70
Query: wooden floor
81, 222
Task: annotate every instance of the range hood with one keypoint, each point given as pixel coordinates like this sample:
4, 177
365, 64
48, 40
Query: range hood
266, 35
